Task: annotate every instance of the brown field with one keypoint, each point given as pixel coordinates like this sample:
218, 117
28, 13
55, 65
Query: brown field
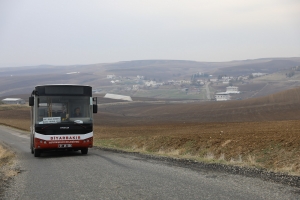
262, 132
15, 116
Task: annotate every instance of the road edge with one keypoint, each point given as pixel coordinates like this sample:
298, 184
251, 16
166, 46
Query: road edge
263, 174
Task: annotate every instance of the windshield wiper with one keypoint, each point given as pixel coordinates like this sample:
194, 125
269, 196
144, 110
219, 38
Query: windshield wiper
47, 126
64, 123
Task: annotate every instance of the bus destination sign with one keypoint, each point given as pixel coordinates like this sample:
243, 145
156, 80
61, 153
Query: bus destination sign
51, 120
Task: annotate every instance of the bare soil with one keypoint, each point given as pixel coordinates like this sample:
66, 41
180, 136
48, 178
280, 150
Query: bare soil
261, 132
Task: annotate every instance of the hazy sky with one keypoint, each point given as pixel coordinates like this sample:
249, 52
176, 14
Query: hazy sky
65, 32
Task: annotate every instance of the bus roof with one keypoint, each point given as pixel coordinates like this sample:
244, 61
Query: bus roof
63, 89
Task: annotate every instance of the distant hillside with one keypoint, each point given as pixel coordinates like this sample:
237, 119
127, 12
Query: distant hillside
24, 84
265, 66
159, 69
20, 80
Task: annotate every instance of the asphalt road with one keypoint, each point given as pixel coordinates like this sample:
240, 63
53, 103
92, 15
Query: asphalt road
207, 91
108, 175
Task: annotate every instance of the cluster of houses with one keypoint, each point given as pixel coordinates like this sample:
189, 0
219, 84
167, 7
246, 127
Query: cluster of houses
224, 79
227, 79
219, 96
145, 83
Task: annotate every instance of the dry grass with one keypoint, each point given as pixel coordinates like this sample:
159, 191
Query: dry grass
10, 107
271, 145
17, 116
6, 163
5, 156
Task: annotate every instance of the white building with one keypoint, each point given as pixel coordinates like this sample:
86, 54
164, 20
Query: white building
185, 82
258, 74
110, 76
135, 87
150, 83
13, 101
213, 80
226, 79
117, 96
222, 96
116, 81
232, 90
243, 77
201, 82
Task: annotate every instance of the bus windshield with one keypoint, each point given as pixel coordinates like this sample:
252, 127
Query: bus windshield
64, 109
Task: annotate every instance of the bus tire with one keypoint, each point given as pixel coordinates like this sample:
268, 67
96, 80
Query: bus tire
84, 151
37, 153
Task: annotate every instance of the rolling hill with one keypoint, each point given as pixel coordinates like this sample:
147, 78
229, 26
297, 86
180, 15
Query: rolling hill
21, 80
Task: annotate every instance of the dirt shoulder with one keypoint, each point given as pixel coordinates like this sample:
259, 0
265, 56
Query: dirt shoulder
7, 166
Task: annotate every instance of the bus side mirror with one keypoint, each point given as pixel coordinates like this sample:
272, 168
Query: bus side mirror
95, 108
31, 101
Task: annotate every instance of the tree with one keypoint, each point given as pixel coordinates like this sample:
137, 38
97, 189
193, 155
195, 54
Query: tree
192, 77
290, 74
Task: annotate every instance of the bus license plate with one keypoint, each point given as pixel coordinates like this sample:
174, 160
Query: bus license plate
64, 145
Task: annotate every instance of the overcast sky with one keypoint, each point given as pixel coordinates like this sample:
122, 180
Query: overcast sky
65, 32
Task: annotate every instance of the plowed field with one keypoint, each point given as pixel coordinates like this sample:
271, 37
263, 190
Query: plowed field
262, 132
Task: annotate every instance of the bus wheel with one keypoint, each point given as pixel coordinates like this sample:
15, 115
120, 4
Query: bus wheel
37, 153
84, 151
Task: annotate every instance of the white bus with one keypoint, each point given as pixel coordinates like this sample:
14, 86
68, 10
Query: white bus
62, 118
